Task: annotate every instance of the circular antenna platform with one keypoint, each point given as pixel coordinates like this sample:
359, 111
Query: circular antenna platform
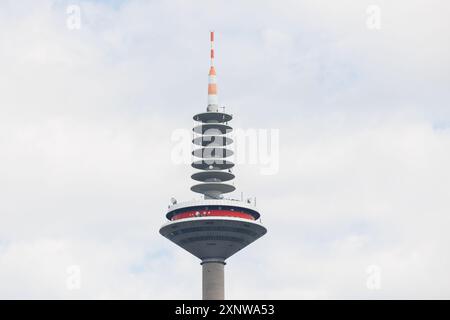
213, 188
213, 164
213, 117
207, 153
212, 141
213, 176
212, 129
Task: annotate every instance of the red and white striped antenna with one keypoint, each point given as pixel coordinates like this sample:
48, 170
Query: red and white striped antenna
213, 102
212, 47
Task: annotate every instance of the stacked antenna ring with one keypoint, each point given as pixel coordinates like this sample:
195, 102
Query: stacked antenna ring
212, 152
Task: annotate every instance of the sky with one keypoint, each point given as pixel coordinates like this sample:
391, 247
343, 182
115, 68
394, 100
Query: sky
91, 93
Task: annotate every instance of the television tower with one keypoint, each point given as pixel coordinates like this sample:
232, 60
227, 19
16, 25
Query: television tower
213, 228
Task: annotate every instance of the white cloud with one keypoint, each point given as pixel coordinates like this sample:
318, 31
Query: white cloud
86, 118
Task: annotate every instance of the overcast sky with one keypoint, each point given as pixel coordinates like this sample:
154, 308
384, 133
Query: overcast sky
87, 115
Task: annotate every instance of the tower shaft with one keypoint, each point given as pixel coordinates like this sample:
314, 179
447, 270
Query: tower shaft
213, 279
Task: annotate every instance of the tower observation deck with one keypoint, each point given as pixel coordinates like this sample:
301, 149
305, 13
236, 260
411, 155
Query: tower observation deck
213, 228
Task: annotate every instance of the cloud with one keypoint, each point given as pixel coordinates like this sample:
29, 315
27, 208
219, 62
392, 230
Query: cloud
86, 118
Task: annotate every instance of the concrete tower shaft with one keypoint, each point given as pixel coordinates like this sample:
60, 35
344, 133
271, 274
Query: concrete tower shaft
213, 279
